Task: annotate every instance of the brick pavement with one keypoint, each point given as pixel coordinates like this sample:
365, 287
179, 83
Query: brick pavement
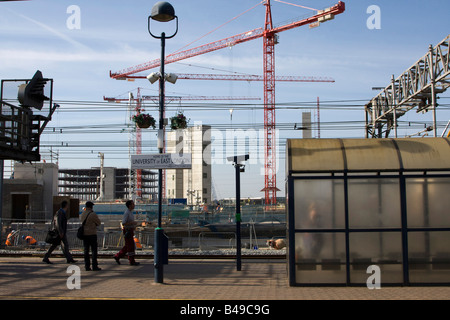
29, 278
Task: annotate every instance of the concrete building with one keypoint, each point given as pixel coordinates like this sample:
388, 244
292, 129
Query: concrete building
192, 184
30, 191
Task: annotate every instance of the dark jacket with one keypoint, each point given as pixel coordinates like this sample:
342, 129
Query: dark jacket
60, 220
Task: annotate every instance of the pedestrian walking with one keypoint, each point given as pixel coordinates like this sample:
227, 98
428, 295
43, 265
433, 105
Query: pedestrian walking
60, 224
128, 226
91, 222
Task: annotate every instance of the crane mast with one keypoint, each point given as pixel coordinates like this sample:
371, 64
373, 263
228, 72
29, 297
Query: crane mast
270, 176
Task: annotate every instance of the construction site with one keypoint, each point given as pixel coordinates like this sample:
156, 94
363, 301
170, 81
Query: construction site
249, 176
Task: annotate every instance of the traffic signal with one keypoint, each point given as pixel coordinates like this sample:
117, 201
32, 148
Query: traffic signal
32, 94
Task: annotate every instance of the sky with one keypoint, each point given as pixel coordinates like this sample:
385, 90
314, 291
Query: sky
78, 43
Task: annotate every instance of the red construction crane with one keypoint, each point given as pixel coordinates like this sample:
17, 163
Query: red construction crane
322, 15
269, 35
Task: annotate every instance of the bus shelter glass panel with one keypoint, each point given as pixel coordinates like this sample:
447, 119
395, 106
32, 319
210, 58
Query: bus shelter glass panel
428, 202
320, 258
319, 204
429, 256
383, 249
374, 203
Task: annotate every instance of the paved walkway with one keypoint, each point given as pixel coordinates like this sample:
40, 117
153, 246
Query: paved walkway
29, 278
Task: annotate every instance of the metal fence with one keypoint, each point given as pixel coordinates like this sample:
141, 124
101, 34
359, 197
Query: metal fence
189, 239
186, 230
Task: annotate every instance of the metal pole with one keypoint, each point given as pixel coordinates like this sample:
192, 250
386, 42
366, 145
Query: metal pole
2, 165
433, 90
158, 263
394, 104
318, 117
238, 215
367, 123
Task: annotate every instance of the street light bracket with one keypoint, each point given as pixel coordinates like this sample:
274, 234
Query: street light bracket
163, 35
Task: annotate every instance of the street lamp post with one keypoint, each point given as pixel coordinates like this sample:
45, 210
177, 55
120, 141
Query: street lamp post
238, 169
163, 12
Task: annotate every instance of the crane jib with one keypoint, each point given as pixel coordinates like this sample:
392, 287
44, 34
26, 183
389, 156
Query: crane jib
323, 15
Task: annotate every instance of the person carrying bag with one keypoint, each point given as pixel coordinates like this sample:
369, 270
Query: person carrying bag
60, 226
80, 232
52, 236
89, 237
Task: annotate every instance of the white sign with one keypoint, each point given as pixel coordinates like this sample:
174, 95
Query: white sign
161, 161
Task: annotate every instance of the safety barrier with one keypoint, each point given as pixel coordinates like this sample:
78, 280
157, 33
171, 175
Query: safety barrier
216, 240
184, 237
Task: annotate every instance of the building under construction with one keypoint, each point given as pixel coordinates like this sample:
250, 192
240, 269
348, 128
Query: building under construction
109, 185
193, 184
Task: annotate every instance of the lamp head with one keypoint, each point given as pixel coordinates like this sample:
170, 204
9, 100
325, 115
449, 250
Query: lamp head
171, 77
153, 77
238, 159
163, 11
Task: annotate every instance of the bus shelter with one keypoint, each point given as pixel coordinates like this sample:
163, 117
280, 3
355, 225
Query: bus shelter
357, 203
